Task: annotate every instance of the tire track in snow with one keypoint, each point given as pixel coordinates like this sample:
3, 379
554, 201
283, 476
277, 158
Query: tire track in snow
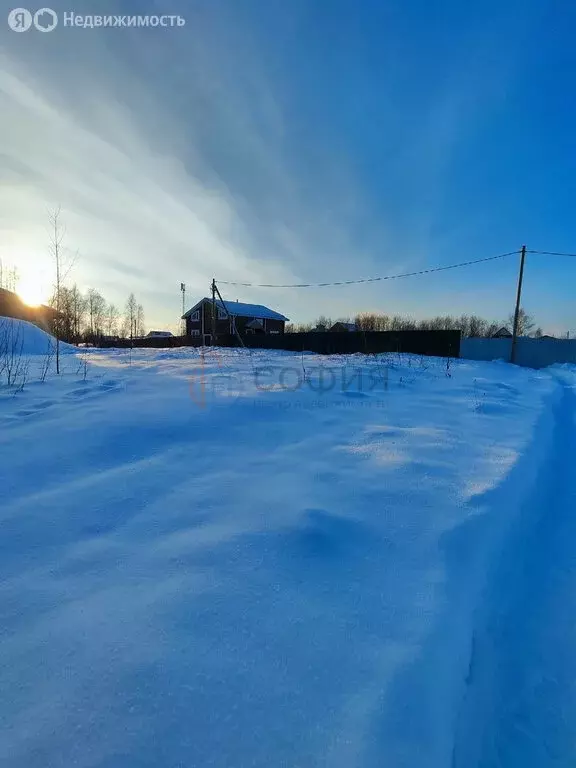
520, 708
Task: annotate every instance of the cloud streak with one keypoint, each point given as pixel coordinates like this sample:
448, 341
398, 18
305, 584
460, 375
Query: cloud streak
176, 156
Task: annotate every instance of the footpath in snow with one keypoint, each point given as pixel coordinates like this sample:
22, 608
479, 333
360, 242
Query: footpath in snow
520, 706
274, 559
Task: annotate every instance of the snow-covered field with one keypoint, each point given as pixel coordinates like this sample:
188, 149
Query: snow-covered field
270, 559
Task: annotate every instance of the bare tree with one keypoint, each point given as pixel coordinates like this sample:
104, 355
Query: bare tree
141, 330
112, 318
9, 278
525, 322
56, 238
130, 317
63, 263
78, 309
470, 325
66, 320
372, 321
323, 322
47, 360
491, 329
11, 352
298, 327
97, 312
477, 326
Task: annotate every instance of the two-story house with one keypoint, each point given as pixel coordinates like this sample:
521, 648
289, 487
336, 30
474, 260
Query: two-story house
231, 317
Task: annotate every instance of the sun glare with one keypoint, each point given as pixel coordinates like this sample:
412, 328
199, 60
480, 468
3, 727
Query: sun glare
31, 293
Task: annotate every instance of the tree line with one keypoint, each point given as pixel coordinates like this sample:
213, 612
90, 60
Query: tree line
88, 317
470, 325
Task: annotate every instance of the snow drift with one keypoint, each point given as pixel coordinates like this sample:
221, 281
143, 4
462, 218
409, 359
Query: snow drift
27, 339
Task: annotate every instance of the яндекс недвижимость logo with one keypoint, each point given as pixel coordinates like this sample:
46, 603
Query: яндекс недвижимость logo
21, 19
45, 20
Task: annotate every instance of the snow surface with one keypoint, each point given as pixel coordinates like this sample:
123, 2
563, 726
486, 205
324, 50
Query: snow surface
25, 338
269, 559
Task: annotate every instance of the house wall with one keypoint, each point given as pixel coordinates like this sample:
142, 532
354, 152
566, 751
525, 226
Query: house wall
223, 327
204, 324
531, 353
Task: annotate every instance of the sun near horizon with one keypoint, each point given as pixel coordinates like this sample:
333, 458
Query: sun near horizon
31, 292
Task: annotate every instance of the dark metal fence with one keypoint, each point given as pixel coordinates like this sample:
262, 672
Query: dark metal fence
157, 342
436, 343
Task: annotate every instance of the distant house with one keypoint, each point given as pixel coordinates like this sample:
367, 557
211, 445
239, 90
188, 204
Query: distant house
502, 333
231, 317
11, 305
340, 327
158, 334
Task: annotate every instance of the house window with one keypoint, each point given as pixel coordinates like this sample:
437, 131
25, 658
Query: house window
195, 333
222, 314
195, 316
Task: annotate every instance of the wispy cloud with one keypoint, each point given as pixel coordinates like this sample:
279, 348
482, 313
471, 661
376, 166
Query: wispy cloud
174, 157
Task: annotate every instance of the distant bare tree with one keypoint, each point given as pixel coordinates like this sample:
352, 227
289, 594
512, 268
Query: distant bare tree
131, 317
372, 321
323, 322
96, 307
72, 310
525, 322
65, 323
491, 329
9, 279
112, 318
297, 327
470, 325
397, 323
140, 328
478, 326
78, 306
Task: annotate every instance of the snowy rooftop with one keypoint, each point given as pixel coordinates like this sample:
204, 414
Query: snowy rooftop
239, 309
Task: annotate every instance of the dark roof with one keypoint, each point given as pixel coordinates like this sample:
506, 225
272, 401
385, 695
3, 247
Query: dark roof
346, 326
239, 309
502, 333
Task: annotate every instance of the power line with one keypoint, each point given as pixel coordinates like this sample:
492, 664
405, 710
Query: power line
370, 279
553, 253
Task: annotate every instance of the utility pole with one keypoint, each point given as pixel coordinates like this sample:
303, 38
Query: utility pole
517, 310
213, 312
183, 289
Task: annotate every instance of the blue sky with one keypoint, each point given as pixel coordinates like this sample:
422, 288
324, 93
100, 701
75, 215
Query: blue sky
298, 141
